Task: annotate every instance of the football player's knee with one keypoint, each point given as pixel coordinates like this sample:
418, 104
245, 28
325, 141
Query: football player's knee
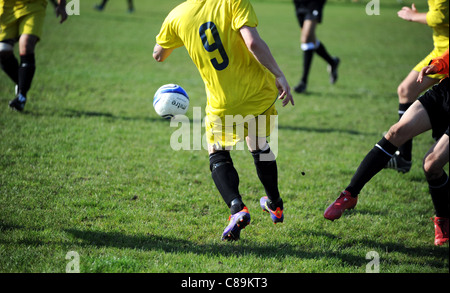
404, 94
392, 133
431, 169
218, 159
397, 134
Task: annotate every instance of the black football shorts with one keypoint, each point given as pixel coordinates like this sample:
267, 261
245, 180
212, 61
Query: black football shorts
309, 9
436, 103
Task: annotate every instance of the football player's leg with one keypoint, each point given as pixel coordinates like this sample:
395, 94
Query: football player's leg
27, 68
130, 6
414, 122
8, 62
101, 6
225, 178
408, 91
438, 186
333, 62
372, 163
308, 46
433, 166
8, 36
267, 170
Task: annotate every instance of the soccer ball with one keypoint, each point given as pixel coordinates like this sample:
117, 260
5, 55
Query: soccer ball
170, 100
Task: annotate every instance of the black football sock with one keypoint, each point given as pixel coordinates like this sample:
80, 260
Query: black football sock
236, 205
322, 52
26, 73
10, 66
405, 149
439, 191
226, 179
373, 163
307, 61
266, 168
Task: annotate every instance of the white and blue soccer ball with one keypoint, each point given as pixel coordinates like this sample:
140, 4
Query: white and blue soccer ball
170, 100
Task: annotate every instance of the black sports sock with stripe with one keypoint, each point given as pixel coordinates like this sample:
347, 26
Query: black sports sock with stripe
439, 191
373, 163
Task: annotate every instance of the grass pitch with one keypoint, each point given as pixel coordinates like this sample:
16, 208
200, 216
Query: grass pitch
88, 167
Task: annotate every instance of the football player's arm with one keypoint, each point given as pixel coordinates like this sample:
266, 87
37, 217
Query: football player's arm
262, 53
411, 14
438, 65
160, 54
438, 14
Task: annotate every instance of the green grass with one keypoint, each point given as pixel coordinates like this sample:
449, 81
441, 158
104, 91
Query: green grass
88, 166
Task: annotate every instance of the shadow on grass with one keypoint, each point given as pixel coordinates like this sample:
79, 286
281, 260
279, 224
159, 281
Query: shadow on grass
78, 114
277, 250
70, 113
325, 247
174, 245
322, 130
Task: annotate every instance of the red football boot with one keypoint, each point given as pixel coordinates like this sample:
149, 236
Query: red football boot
344, 202
440, 230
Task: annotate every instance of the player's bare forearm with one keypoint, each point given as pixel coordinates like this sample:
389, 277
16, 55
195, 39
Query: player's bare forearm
160, 54
411, 14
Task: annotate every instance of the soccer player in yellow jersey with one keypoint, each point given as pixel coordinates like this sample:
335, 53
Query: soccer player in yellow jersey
22, 21
242, 79
437, 18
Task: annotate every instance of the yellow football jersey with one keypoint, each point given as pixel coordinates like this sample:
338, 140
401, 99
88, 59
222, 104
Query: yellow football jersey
236, 83
438, 19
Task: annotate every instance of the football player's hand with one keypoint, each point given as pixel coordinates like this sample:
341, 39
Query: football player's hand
430, 69
284, 91
61, 10
407, 13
